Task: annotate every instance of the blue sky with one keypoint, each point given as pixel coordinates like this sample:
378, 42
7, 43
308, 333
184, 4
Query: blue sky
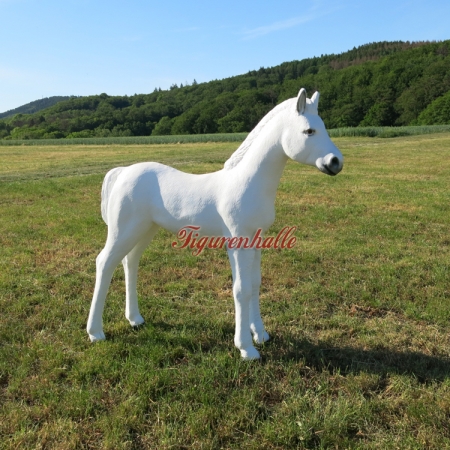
85, 47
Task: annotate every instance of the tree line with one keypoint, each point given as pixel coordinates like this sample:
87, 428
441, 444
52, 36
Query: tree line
378, 84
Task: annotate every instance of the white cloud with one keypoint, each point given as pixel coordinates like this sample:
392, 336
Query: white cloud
282, 25
317, 10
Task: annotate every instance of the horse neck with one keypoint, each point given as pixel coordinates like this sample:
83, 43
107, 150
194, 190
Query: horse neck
264, 162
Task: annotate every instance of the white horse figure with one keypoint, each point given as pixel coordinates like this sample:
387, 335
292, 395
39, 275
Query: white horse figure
233, 202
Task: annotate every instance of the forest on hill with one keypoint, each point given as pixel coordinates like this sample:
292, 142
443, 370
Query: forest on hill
378, 84
35, 106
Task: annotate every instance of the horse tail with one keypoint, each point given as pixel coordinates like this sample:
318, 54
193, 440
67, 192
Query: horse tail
107, 186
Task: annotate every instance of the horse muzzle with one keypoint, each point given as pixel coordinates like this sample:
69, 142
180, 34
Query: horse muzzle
330, 164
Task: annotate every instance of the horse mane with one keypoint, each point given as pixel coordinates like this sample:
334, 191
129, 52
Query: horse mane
237, 156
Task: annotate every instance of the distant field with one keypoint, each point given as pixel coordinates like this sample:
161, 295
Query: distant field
388, 132
358, 311
132, 140
382, 132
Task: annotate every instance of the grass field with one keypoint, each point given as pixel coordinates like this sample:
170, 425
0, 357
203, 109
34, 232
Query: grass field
358, 311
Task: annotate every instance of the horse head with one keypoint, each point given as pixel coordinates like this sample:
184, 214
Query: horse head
306, 139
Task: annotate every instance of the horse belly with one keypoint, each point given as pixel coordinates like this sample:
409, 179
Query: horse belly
175, 199
206, 219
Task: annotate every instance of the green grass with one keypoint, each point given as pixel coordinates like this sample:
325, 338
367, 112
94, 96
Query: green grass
358, 311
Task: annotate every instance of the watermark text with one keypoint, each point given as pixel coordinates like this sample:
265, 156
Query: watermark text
189, 237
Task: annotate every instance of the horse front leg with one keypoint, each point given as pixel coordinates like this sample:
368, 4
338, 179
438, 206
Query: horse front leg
241, 265
260, 335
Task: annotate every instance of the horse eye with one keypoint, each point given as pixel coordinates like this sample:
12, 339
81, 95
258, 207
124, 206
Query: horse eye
309, 131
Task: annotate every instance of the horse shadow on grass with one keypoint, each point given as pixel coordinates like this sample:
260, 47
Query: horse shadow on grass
319, 356
353, 360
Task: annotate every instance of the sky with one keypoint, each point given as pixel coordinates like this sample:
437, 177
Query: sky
88, 47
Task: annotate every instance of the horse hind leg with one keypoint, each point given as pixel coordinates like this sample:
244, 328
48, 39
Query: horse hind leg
118, 244
130, 265
106, 262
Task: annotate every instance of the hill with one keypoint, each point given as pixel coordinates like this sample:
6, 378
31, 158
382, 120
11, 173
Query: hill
378, 84
34, 107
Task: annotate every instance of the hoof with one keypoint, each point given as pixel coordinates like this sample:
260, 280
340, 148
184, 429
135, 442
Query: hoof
139, 320
250, 354
260, 339
97, 337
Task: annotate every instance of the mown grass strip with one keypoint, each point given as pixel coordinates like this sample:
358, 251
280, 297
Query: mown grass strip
38, 162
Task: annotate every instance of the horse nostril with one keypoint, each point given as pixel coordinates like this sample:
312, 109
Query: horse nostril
334, 161
333, 164
330, 164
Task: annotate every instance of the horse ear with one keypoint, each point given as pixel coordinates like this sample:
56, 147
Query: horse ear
315, 101
301, 101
